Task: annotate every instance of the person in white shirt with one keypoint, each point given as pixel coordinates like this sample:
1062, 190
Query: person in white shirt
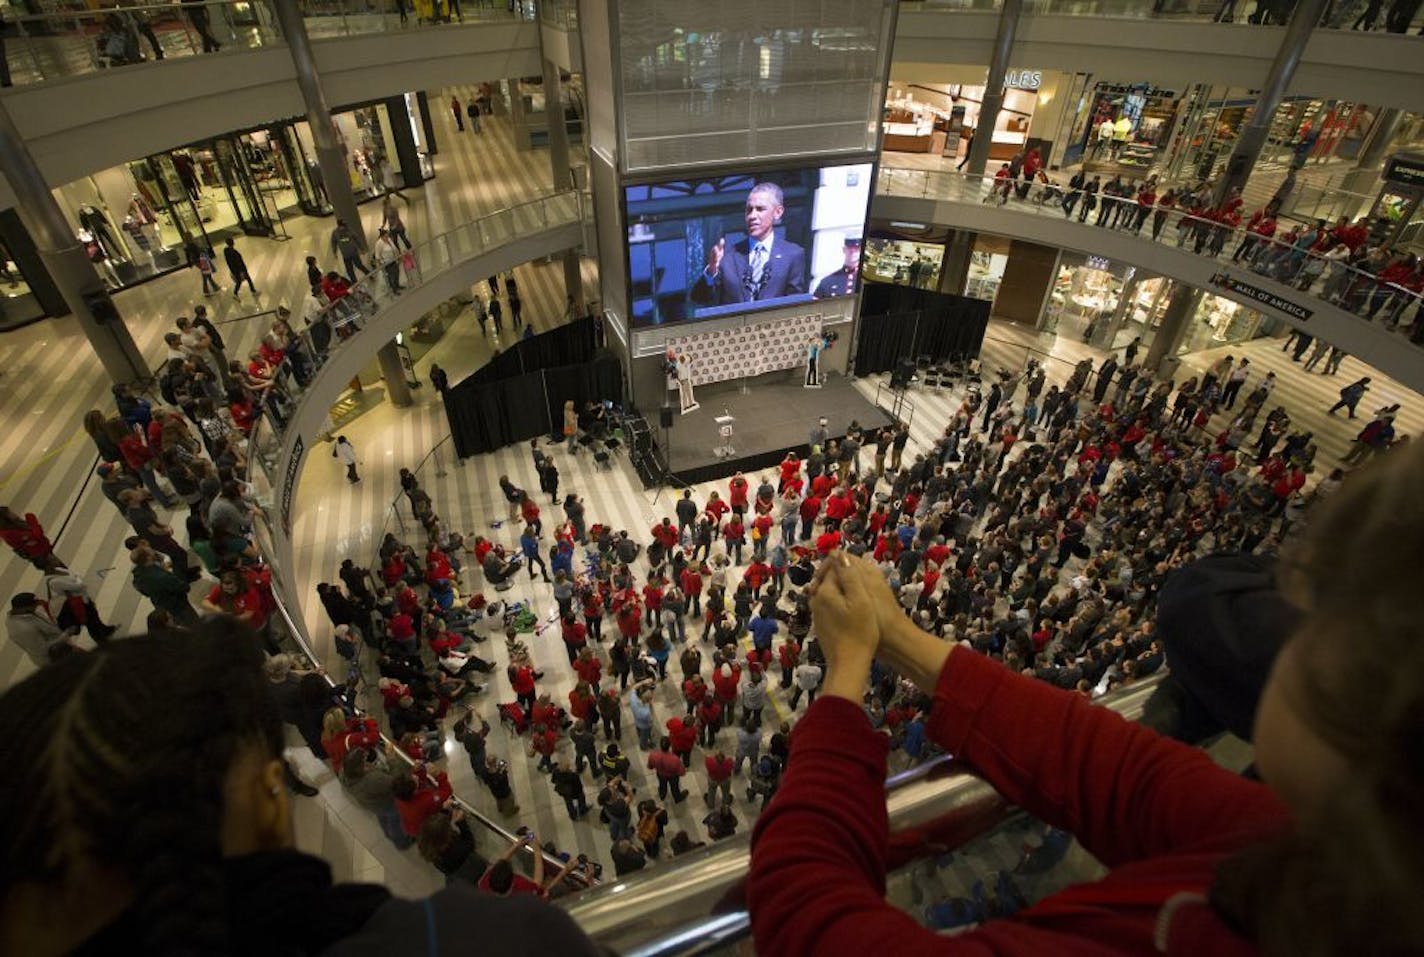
346, 453
389, 257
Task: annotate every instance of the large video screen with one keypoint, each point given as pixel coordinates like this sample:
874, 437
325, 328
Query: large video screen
720, 245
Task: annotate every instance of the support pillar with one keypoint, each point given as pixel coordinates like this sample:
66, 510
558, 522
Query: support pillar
559, 165
954, 267
331, 157
994, 87
64, 259
1253, 137
1180, 309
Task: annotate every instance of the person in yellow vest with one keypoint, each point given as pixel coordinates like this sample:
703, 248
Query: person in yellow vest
1122, 129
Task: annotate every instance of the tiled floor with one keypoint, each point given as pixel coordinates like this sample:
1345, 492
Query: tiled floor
49, 379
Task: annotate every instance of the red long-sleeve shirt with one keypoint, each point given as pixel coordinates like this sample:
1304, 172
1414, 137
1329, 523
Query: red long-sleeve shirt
1161, 814
430, 797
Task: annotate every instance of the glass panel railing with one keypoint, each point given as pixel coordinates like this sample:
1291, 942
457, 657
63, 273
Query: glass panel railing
560, 13
353, 305
68, 42
694, 904
1337, 16
1342, 268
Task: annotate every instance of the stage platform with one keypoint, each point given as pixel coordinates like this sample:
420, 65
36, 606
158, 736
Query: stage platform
774, 418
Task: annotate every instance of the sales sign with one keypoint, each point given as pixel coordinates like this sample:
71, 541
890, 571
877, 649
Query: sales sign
1230, 283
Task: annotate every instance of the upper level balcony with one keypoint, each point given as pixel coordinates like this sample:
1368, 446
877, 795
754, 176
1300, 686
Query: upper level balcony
1373, 314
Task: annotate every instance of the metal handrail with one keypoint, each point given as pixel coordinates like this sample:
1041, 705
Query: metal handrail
1174, 10
66, 42
983, 188
693, 902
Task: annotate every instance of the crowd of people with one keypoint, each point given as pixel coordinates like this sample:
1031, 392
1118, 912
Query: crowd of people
1037, 530
1342, 263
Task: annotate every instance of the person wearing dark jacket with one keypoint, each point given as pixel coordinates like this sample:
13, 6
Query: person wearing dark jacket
199, 768
237, 266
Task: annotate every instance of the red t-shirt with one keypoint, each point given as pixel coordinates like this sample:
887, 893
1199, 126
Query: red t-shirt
520, 885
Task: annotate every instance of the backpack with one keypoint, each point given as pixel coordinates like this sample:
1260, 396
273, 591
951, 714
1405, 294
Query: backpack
648, 828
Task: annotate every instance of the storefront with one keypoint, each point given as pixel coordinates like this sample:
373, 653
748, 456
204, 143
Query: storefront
987, 263
151, 216
937, 118
1220, 322
1119, 128
904, 262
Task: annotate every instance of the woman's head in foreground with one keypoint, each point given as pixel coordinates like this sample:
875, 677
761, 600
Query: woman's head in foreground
131, 772
1340, 730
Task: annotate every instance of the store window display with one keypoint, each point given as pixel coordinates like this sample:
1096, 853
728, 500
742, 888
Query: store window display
986, 267
1219, 321
17, 303
1085, 297
903, 262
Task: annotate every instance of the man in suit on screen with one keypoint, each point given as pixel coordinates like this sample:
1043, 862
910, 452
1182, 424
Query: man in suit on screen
763, 266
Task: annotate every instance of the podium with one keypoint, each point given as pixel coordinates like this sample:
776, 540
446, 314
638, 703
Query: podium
724, 429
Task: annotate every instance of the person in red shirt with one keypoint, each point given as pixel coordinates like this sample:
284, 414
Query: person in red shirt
593, 612
653, 599
828, 542
630, 620
235, 596
715, 509
437, 566
758, 573
669, 769
1161, 812
341, 735
501, 880
737, 493
418, 796
691, 581
682, 735
719, 777
810, 510
694, 692
822, 485
789, 468
26, 535
734, 534
583, 704
575, 635
725, 680
709, 720
588, 668
521, 679
544, 742
665, 534
788, 655
529, 513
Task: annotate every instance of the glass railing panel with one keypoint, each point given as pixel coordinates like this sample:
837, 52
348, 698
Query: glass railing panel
1313, 271
1338, 16
68, 42
559, 13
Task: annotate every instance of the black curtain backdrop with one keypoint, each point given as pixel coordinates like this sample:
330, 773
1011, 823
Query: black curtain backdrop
563, 346
485, 416
898, 322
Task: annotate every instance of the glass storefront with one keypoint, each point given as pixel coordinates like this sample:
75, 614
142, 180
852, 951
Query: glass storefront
1220, 322
926, 118
903, 262
1084, 297
17, 303
987, 263
151, 216
1122, 128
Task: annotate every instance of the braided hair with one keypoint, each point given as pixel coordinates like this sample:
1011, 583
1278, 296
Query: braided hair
112, 767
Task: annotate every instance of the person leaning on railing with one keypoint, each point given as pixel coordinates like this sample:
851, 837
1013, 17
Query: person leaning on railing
1327, 857
143, 810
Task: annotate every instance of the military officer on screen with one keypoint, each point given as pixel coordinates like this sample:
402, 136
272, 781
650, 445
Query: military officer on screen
842, 281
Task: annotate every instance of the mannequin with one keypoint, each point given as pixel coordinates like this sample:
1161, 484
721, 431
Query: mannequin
683, 370
95, 251
142, 213
318, 184
97, 225
138, 233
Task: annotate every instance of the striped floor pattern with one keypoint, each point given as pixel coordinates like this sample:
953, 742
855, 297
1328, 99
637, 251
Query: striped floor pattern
49, 378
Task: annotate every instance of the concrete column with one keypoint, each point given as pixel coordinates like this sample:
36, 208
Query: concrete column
1106, 336
1180, 309
330, 154
63, 257
994, 87
518, 119
331, 157
1253, 136
559, 165
954, 267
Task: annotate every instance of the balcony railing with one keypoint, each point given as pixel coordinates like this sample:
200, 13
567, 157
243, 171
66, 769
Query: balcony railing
330, 330
71, 42
1332, 280
1337, 16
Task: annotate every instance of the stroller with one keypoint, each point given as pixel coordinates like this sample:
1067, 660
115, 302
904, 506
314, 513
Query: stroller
1047, 191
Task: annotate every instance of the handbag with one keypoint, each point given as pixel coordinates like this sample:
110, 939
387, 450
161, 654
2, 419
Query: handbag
408, 261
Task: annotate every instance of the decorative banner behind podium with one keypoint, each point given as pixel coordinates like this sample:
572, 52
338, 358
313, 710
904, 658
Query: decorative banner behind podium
747, 350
